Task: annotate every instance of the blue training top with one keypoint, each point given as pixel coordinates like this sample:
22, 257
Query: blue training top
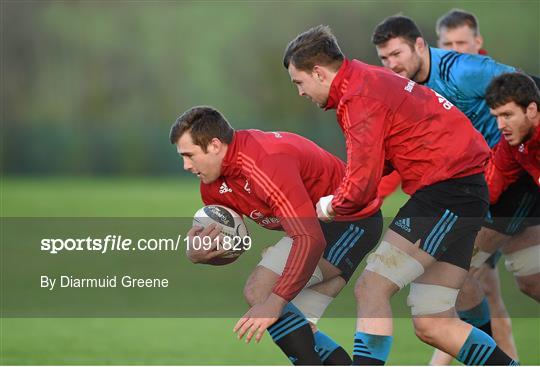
463, 79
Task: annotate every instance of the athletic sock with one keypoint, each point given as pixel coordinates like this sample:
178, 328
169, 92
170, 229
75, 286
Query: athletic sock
370, 349
330, 352
478, 316
292, 333
480, 349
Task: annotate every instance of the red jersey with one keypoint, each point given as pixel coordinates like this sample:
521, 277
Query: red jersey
388, 185
507, 163
392, 122
276, 179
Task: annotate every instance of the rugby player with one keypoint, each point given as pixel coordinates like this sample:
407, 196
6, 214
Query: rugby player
390, 122
480, 300
276, 179
462, 79
458, 30
514, 99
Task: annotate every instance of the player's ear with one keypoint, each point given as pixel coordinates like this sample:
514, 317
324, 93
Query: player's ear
532, 111
479, 41
319, 73
215, 146
420, 44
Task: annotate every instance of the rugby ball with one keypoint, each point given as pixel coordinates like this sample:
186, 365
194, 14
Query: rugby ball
233, 227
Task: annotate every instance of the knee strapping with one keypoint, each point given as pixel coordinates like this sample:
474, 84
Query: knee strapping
524, 262
275, 257
429, 299
312, 304
479, 259
394, 264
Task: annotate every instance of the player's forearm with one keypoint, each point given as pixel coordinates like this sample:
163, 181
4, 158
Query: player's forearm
276, 300
358, 208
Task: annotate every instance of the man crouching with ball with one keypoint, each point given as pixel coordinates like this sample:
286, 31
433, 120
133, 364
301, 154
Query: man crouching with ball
276, 179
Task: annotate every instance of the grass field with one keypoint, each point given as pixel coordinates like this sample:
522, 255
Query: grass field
168, 341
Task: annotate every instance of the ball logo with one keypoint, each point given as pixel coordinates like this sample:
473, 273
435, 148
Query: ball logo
220, 215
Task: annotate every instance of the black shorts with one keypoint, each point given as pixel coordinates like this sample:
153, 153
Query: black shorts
446, 218
347, 243
518, 208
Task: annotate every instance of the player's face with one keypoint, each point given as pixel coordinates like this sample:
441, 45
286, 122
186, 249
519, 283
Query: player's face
206, 166
461, 39
400, 57
310, 85
516, 125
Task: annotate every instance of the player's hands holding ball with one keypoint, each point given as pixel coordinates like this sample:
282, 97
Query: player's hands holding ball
211, 237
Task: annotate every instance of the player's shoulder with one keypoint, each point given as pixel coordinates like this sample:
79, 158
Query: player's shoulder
444, 64
264, 145
265, 150
460, 68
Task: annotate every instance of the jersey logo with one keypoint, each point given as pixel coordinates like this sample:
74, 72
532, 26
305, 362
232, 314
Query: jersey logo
259, 217
246, 187
277, 135
410, 85
521, 148
223, 189
404, 224
445, 103
255, 214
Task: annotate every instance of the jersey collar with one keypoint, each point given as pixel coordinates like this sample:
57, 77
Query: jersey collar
229, 166
532, 142
338, 87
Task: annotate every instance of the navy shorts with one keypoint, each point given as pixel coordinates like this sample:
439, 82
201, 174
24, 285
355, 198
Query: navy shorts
446, 218
518, 208
347, 243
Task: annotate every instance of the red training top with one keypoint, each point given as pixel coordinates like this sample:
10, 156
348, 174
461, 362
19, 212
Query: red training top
276, 179
390, 122
507, 163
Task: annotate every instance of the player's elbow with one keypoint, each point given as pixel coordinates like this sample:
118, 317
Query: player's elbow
318, 242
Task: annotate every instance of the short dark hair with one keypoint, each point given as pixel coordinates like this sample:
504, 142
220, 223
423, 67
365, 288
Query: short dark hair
396, 26
512, 87
316, 46
456, 18
204, 123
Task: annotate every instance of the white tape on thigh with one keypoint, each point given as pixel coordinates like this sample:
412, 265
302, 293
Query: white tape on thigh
523, 262
312, 304
275, 257
479, 259
394, 264
429, 299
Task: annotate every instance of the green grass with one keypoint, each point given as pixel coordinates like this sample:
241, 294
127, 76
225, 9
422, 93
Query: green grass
90, 197
167, 341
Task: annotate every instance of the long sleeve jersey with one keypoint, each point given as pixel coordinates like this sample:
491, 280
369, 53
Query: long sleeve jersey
507, 163
390, 122
276, 179
463, 80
